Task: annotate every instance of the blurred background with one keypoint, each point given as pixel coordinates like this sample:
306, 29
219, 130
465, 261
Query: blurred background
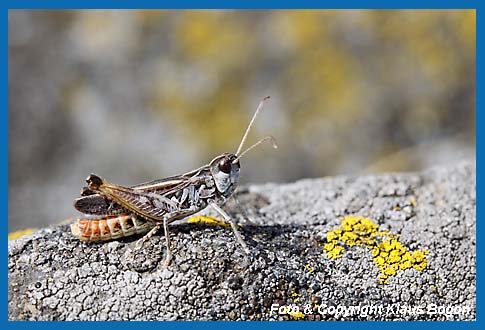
140, 95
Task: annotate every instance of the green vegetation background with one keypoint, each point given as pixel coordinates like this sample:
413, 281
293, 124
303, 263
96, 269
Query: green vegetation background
139, 95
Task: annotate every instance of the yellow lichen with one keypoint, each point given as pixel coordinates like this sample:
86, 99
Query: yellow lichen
297, 315
335, 253
389, 271
309, 268
20, 233
329, 246
387, 252
209, 221
332, 235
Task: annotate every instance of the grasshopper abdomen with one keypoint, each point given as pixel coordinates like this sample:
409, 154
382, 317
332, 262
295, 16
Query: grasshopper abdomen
109, 228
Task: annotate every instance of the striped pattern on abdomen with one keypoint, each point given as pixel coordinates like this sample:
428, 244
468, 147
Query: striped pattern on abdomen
110, 227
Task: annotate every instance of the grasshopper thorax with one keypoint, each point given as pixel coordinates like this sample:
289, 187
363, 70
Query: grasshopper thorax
225, 171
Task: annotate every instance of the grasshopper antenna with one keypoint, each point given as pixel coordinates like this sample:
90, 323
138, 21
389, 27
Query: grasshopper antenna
260, 106
269, 137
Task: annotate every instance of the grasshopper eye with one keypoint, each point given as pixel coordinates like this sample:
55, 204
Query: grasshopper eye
94, 181
225, 166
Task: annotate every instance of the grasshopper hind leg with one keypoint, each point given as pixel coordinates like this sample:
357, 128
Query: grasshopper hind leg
152, 232
167, 238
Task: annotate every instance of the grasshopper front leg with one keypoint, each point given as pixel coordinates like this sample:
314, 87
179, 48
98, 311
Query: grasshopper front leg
246, 217
233, 226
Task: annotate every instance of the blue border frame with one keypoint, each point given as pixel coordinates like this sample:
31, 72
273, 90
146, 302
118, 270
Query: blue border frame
238, 4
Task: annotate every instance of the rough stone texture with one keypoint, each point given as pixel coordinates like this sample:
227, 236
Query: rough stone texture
53, 276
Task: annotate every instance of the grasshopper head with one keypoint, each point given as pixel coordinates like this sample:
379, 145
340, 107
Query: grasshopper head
225, 171
225, 168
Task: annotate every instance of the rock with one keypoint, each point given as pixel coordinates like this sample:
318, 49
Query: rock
53, 276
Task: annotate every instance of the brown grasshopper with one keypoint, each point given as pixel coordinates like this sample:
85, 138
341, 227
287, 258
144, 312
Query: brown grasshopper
113, 211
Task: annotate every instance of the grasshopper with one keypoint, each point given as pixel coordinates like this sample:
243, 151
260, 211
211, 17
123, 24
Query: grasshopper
113, 211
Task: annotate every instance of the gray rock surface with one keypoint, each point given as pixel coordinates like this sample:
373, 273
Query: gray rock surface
53, 276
